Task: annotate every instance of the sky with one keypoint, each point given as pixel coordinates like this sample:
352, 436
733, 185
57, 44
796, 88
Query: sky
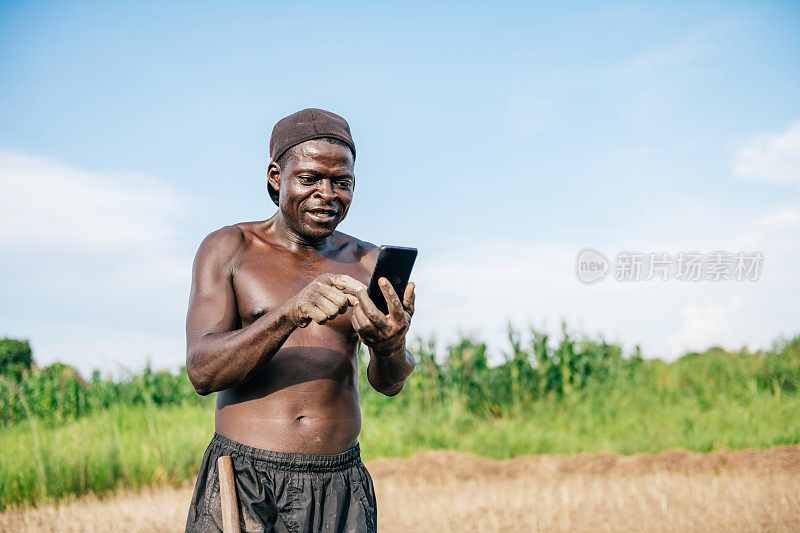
500, 139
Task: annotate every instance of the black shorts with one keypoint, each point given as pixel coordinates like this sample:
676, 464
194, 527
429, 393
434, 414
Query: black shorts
286, 492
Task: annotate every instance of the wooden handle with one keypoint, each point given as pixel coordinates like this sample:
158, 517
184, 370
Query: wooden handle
227, 493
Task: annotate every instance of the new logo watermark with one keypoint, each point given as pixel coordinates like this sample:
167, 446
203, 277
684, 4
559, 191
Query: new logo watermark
592, 266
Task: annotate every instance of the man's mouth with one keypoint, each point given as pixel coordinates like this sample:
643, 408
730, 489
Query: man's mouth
322, 215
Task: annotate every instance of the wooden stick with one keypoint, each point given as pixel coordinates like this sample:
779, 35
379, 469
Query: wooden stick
227, 493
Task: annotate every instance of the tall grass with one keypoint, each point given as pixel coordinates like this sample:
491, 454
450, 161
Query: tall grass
122, 446
582, 395
569, 396
58, 393
585, 369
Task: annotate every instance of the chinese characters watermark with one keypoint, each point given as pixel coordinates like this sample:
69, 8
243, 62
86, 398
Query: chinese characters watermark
592, 266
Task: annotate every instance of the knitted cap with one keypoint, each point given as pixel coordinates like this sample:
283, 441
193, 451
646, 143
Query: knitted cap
304, 126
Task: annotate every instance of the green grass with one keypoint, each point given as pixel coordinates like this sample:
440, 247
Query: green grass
134, 446
62, 436
121, 447
618, 421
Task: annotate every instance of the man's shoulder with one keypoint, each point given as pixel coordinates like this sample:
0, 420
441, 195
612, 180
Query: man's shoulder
226, 237
361, 249
222, 244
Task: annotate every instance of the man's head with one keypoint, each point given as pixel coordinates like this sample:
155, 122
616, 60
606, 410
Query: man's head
311, 174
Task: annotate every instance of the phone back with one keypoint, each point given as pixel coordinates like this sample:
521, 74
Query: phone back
394, 263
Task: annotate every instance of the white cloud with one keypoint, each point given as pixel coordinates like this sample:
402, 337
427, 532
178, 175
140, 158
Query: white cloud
99, 275
752, 313
479, 289
771, 157
53, 205
780, 231
704, 325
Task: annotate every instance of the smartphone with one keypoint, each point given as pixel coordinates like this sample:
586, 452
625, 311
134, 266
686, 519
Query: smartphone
394, 263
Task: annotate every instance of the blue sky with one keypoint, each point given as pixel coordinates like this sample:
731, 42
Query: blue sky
498, 139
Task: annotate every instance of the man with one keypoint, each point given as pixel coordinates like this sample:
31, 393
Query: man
277, 310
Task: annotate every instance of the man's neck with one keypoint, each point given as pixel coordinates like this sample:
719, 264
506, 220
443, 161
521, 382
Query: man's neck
294, 241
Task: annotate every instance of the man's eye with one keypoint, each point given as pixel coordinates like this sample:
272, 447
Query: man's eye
345, 184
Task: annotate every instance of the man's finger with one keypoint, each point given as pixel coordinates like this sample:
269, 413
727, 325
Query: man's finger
369, 309
336, 296
317, 315
328, 307
392, 300
365, 327
346, 283
409, 297
359, 320
354, 320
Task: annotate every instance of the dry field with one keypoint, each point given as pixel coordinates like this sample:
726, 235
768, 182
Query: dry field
751, 490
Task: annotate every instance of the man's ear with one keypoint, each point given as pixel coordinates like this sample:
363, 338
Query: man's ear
274, 175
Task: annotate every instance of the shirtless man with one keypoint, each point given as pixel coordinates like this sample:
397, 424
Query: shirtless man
277, 311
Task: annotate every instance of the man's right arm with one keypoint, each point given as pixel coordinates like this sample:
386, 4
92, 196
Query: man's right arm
218, 356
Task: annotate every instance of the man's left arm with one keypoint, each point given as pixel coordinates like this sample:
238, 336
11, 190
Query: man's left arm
390, 363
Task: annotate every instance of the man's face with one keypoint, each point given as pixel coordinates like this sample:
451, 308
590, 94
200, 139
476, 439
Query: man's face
316, 187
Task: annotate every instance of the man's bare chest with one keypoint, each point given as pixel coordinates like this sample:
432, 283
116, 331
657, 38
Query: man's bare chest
264, 281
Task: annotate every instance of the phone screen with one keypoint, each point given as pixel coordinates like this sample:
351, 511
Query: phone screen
395, 264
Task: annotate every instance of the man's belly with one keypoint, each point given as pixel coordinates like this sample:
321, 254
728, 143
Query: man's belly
305, 400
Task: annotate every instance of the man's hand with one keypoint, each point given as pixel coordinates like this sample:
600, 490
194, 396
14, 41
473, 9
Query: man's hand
323, 299
385, 334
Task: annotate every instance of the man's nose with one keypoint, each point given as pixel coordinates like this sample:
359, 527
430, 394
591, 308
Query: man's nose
325, 189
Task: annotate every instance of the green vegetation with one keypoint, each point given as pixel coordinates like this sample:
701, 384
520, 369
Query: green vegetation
62, 435
16, 356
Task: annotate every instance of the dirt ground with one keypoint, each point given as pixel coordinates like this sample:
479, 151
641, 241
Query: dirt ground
750, 490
